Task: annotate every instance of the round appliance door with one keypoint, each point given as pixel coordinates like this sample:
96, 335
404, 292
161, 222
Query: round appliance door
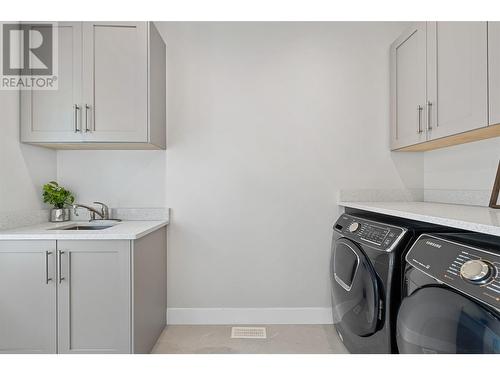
355, 293
439, 320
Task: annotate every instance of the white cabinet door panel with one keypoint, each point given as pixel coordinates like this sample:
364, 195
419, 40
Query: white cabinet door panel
494, 72
94, 298
116, 81
48, 115
408, 80
27, 297
458, 52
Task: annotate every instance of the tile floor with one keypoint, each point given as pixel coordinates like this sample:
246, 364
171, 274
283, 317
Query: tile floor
281, 339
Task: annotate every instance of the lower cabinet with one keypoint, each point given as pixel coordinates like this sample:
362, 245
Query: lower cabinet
28, 305
77, 296
93, 296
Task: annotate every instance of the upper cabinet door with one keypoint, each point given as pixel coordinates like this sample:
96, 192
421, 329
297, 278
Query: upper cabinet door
48, 115
408, 79
494, 71
457, 88
115, 79
27, 297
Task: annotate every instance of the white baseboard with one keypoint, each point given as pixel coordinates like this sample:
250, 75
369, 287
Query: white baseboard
274, 315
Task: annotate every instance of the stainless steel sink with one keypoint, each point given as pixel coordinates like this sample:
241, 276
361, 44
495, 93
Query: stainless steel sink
88, 227
84, 227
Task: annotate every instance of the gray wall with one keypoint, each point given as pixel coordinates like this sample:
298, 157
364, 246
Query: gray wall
267, 121
462, 174
23, 168
125, 179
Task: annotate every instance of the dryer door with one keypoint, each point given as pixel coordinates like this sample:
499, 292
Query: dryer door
439, 320
355, 293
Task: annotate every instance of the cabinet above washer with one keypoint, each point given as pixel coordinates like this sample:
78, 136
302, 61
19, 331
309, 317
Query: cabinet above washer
444, 85
111, 90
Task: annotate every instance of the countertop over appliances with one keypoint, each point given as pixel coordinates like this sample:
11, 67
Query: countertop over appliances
473, 218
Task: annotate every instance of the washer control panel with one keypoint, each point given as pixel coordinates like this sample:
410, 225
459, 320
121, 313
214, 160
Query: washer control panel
475, 272
380, 236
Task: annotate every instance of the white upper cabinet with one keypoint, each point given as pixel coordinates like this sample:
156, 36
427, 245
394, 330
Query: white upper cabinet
457, 85
112, 90
440, 70
115, 81
54, 115
408, 87
494, 72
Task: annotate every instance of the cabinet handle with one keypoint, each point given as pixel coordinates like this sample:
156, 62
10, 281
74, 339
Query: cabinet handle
76, 108
87, 107
47, 278
59, 253
419, 110
429, 110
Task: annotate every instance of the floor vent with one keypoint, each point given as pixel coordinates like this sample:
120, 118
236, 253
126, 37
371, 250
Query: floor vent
248, 333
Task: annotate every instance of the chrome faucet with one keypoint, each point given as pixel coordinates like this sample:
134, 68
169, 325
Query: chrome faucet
103, 213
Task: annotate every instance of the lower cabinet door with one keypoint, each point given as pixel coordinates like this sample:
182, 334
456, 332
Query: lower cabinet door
27, 297
94, 296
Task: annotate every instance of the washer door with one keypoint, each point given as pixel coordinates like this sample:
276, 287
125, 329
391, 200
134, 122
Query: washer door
439, 320
355, 293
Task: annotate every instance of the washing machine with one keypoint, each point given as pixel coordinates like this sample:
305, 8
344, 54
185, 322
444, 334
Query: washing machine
366, 265
452, 295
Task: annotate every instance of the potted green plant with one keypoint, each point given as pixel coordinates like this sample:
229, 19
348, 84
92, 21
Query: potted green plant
60, 199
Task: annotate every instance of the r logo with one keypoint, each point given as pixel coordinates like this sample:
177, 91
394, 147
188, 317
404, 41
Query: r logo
27, 50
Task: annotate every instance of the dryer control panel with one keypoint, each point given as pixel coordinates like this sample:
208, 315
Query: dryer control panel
472, 271
366, 232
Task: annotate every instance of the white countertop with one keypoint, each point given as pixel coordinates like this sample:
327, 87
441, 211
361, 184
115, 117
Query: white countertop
474, 218
124, 230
